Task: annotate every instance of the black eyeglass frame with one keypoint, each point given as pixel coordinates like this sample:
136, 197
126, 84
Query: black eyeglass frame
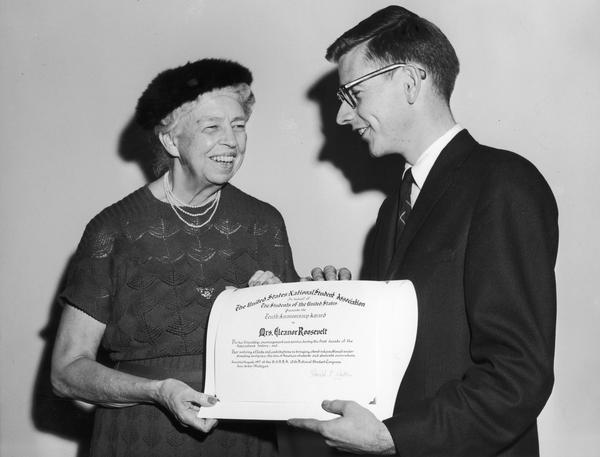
345, 95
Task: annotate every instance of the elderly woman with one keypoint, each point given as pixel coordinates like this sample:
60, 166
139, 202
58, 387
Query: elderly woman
149, 267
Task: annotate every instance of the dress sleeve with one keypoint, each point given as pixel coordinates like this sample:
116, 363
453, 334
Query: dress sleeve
89, 284
280, 252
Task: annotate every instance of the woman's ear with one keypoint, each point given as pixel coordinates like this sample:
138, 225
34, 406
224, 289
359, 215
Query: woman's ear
412, 83
168, 143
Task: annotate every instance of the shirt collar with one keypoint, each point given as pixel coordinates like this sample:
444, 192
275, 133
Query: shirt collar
425, 162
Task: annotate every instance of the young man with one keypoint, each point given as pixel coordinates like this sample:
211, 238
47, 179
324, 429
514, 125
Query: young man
475, 230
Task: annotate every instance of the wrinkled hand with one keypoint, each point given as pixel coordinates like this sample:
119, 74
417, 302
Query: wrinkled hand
357, 430
329, 273
260, 278
184, 403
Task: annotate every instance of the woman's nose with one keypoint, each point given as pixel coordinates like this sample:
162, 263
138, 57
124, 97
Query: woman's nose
229, 138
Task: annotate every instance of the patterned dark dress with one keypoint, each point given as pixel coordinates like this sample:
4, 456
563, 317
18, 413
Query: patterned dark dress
152, 280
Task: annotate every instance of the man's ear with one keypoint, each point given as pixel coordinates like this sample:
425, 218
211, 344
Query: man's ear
168, 143
411, 83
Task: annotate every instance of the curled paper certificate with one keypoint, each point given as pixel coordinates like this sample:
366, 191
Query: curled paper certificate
276, 352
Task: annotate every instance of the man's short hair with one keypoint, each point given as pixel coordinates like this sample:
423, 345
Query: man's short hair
395, 34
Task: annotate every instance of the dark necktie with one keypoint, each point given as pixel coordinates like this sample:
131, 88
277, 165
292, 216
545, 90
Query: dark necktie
404, 204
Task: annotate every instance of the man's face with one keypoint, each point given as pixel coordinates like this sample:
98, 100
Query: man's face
381, 114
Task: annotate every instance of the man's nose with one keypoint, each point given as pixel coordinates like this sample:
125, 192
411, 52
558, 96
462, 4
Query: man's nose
345, 114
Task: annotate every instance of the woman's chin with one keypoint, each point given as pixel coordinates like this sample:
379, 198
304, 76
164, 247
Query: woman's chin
222, 178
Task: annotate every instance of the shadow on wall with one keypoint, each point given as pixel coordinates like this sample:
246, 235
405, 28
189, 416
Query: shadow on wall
138, 145
344, 149
49, 413
341, 147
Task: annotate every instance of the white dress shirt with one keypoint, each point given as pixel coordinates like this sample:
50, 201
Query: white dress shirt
425, 162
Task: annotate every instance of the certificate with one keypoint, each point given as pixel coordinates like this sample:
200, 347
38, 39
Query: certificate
276, 352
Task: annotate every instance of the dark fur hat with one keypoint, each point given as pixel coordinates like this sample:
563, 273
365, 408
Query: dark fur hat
172, 88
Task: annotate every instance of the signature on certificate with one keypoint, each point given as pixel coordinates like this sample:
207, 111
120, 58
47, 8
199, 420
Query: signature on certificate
329, 373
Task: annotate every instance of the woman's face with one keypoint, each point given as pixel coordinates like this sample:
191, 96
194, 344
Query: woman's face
211, 139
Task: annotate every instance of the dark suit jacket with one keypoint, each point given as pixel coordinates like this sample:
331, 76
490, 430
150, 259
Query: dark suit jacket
480, 247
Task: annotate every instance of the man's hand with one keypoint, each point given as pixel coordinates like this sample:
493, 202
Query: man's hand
184, 403
260, 278
329, 273
357, 430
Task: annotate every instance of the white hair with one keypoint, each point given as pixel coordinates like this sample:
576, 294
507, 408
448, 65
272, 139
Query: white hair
241, 92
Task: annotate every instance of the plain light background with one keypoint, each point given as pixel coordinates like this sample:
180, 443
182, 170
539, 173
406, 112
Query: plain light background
71, 72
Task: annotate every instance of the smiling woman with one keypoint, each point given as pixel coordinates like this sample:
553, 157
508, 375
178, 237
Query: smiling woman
210, 142
149, 267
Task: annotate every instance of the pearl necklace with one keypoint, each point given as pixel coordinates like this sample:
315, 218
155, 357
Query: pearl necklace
176, 205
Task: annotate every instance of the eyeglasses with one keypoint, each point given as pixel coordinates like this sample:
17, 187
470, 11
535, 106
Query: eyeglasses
344, 94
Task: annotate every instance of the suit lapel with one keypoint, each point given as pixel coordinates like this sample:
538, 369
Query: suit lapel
438, 180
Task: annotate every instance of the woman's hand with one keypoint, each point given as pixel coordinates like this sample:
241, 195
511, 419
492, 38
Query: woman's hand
77, 375
184, 403
260, 278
